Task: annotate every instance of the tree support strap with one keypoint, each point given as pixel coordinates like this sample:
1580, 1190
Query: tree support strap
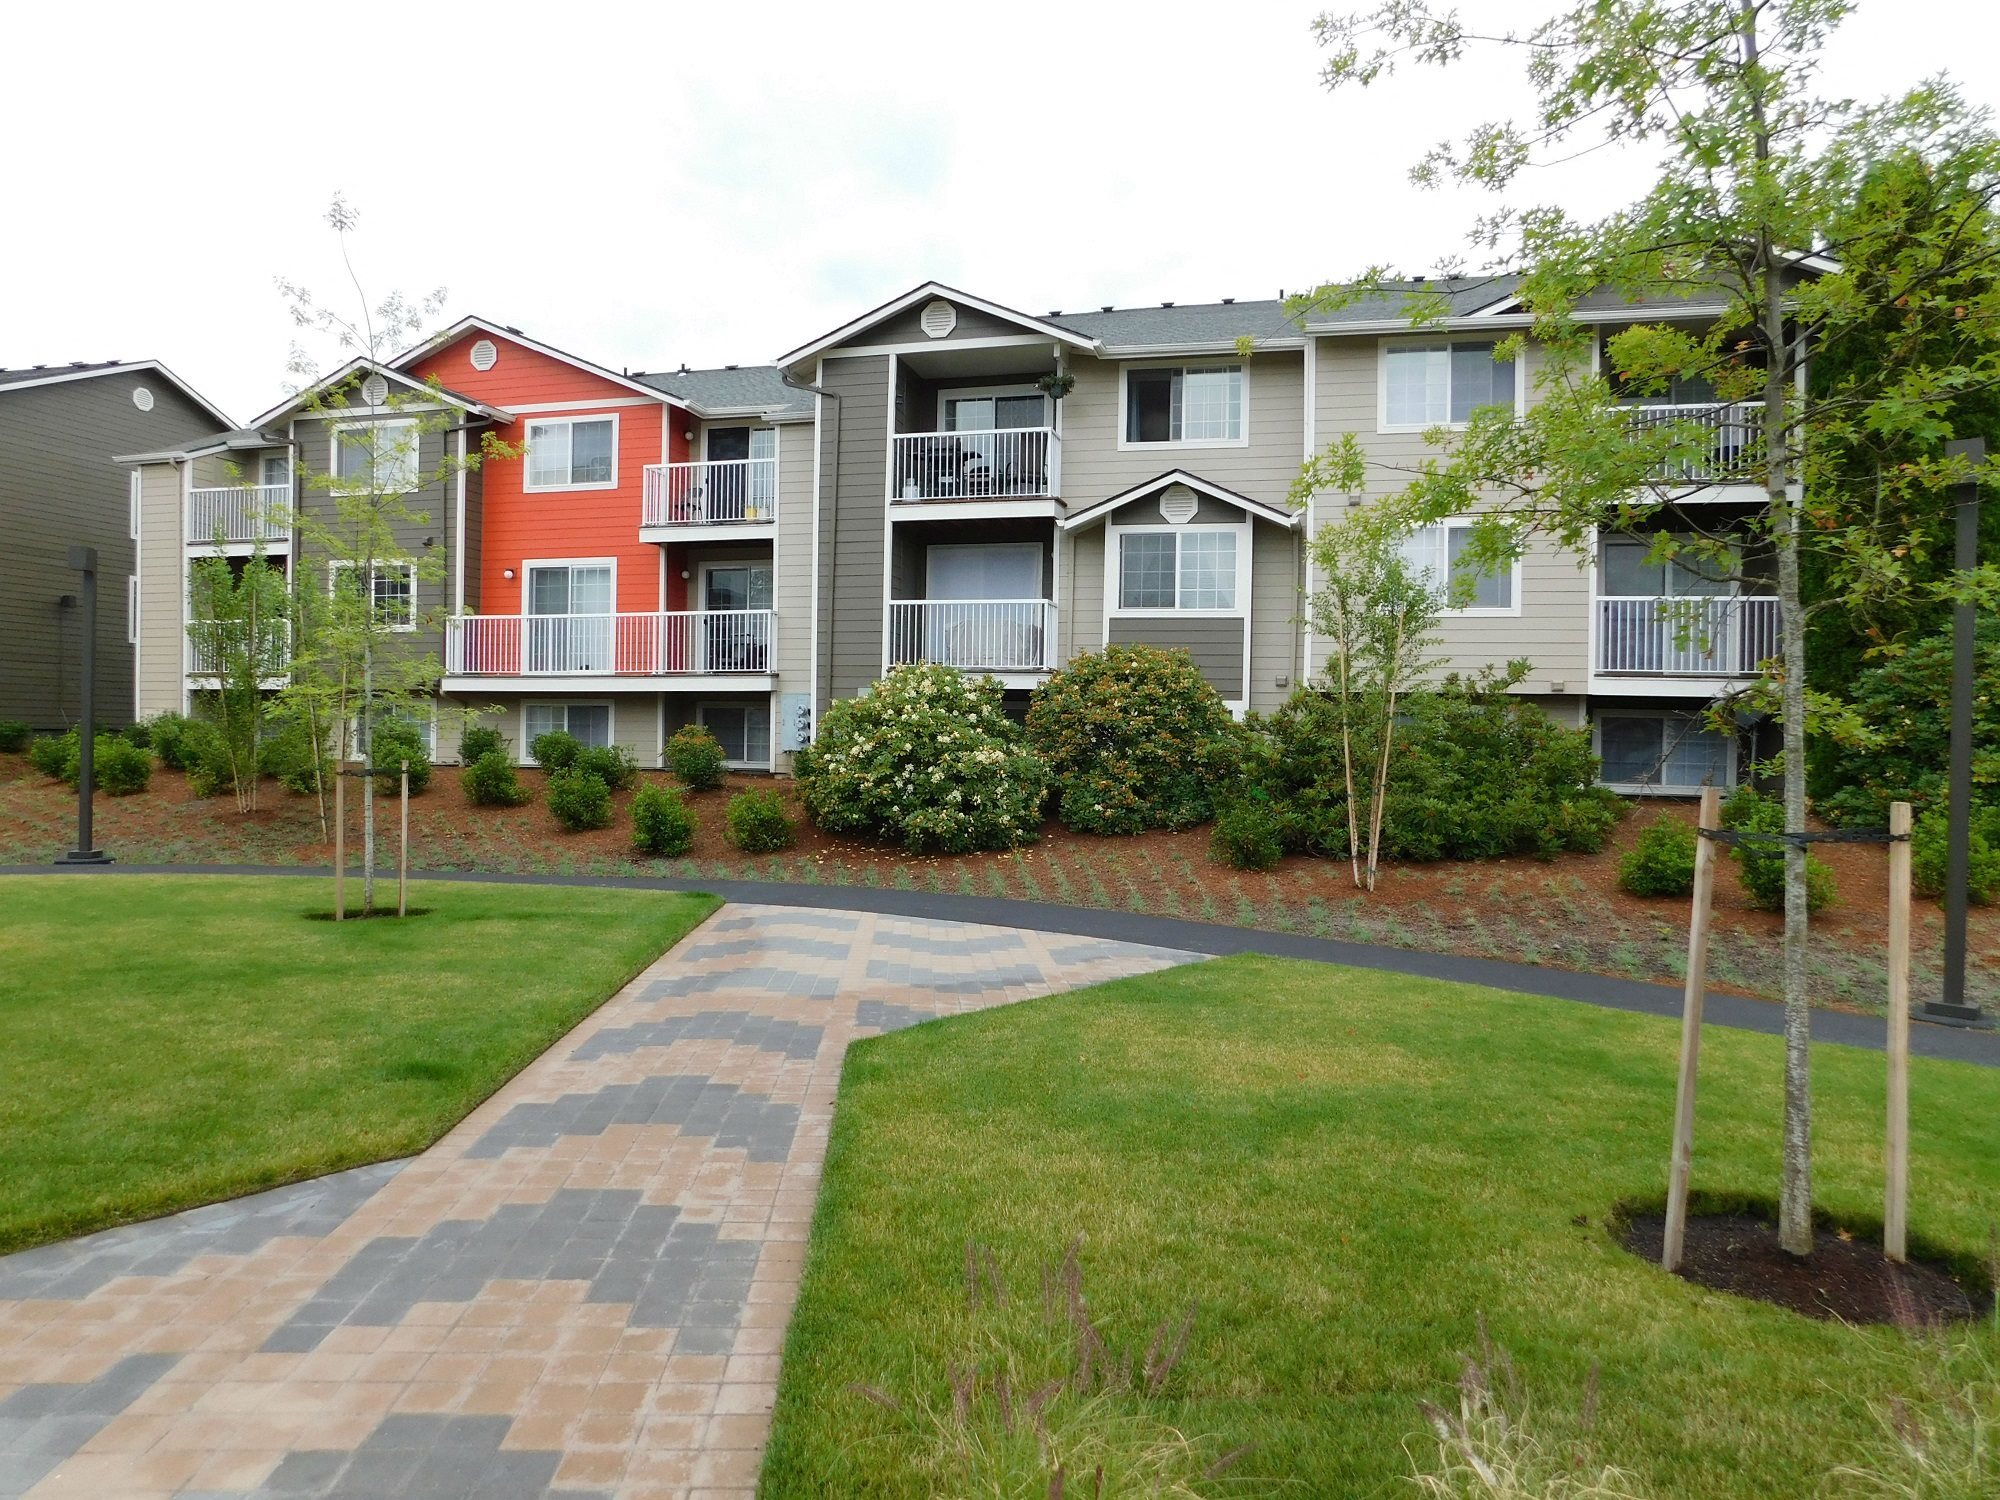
1737, 837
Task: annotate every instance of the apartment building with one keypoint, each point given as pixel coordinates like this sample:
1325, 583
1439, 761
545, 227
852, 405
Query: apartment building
947, 479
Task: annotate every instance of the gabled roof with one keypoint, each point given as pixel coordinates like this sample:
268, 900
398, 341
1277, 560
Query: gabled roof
388, 372
924, 293
36, 375
467, 325
1098, 510
732, 390
237, 439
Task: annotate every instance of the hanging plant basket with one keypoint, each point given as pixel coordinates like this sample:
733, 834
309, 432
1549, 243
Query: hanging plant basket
1056, 386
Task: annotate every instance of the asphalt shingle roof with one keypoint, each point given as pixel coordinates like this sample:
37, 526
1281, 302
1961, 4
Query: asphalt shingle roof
44, 372
730, 387
1220, 322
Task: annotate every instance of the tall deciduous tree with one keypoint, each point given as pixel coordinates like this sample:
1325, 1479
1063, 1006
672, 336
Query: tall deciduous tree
239, 630
1757, 170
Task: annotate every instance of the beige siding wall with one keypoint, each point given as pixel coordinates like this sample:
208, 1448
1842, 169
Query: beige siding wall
1215, 643
162, 680
635, 722
1274, 613
792, 557
1082, 600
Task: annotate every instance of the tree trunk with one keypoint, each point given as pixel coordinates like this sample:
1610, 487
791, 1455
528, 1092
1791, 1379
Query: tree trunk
367, 780
1347, 751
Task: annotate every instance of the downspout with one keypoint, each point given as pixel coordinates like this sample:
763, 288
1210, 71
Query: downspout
833, 537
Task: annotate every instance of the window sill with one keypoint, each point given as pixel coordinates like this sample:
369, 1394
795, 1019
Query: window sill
1121, 612
566, 489
1126, 445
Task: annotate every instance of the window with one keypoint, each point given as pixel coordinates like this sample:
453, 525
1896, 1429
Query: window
1662, 752
379, 456
277, 472
742, 729
575, 453
394, 591
1190, 405
995, 412
1185, 568
1630, 574
1440, 552
1425, 385
589, 722
132, 608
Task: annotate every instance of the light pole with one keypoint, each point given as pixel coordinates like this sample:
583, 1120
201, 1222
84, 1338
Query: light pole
1951, 1007
84, 560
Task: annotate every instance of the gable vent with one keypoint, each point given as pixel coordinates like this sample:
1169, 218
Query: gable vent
142, 398
485, 355
938, 318
374, 390
1178, 503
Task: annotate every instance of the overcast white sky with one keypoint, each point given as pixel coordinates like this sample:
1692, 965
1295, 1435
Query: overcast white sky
649, 184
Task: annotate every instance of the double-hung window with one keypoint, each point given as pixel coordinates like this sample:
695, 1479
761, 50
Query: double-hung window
1191, 404
392, 590
1186, 568
1441, 555
377, 456
1431, 385
573, 453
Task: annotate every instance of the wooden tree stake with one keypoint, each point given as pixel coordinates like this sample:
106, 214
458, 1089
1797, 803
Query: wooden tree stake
1692, 1000
340, 840
1896, 1185
403, 850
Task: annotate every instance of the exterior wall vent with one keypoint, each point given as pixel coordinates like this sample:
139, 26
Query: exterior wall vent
485, 355
375, 390
938, 318
142, 398
1178, 504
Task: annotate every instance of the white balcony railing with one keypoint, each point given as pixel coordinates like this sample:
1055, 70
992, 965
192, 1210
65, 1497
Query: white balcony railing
990, 635
721, 492
630, 645
212, 645
240, 513
1696, 637
1728, 437
975, 465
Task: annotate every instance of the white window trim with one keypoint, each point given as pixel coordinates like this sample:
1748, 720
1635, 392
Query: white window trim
1731, 773
1126, 445
609, 706
134, 504
337, 566
978, 392
701, 709
1475, 611
527, 433
1114, 545
528, 566
1382, 351
132, 609
414, 453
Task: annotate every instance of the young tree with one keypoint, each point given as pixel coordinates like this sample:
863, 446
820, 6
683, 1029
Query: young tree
240, 630
1756, 171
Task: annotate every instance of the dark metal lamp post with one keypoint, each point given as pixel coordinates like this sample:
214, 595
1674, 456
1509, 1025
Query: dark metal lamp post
84, 560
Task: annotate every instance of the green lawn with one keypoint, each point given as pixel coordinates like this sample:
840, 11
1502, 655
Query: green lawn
1345, 1170
169, 1042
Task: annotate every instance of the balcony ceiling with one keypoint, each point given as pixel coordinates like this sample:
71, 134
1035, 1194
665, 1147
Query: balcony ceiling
1025, 361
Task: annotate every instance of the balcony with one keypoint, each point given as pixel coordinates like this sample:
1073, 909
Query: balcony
721, 492
980, 635
211, 644
1007, 464
703, 642
1689, 637
239, 514
1727, 441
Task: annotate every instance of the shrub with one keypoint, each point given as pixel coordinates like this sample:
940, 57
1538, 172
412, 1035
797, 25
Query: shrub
14, 736
610, 764
1661, 863
1930, 852
393, 742
120, 768
757, 823
491, 781
1127, 733
478, 740
206, 758
299, 764
695, 757
169, 733
661, 822
53, 754
1247, 835
139, 735
925, 758
556, 750
1762, 861
579, 800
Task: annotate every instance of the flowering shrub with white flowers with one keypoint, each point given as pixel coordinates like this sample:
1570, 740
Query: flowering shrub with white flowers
927, 759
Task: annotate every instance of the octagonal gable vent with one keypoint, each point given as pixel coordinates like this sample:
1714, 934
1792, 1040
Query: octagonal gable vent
938, 318
142, 398
1178, 504
374, 390
485, 355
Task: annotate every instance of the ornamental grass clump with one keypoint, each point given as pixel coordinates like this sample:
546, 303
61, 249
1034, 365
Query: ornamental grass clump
926, 758
1129, 734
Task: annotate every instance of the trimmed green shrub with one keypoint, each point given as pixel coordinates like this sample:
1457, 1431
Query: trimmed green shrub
695, 757
53, 755
611, 764
1661, 863
556, 750
393, 742
1762, 861
925, 758
661, 822
139, 735
206, 758
491, 781
756, 822
292, 757
1247, 836
579, 800
1930, 853
14, 736
169, 735
1127, 734
118, 767
478, 740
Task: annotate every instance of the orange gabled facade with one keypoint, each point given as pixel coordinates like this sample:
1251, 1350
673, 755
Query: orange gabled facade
518, 524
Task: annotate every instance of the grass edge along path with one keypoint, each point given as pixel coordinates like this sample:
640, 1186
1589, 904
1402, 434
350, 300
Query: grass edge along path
1345, 1172
166, 1043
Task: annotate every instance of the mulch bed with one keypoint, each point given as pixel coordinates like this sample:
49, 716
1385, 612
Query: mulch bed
1846, 1277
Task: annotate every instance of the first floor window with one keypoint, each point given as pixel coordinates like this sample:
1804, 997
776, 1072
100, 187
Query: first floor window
393, 591
1191, 405
590, 723
572, 454
742, 729
1441, 553
1183, 568
378, 456
1664, 751
1425, 385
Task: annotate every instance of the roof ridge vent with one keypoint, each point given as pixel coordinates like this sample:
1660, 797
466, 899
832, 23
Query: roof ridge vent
732, 367
1166, 304
1228, 301
1105, 308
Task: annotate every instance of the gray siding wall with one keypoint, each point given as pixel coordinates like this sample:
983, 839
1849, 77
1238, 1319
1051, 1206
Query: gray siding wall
1215, 644
906, 327
792, 554
1082, 601
852, 544
59, 488
475, 517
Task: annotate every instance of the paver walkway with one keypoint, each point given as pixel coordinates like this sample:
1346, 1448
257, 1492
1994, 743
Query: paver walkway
580, 1292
